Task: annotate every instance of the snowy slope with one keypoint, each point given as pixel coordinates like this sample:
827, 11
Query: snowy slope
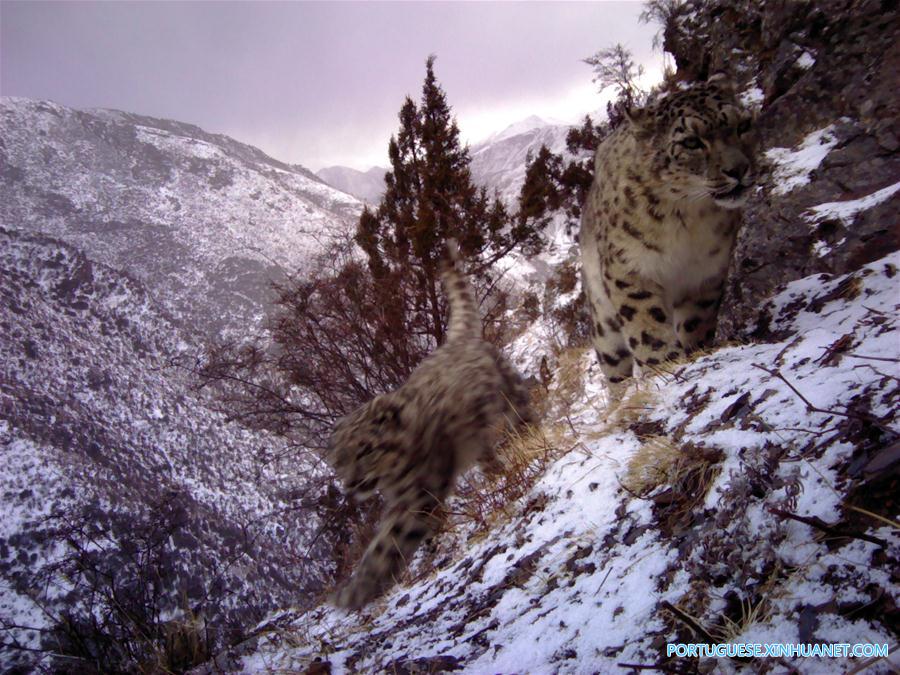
204, 221
103, 443
365, 185
499, 162
125, 242
718, 455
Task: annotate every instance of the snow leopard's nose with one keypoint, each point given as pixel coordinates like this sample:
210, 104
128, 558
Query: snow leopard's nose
734, 164
737, 169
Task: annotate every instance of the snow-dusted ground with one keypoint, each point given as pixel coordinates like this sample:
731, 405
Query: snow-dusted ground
100, 434
802, 423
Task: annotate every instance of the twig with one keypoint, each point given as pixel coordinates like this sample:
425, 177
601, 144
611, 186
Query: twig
779, 357
876, 371
689, 620
604, 581
632, 492
890, 523
871, 662
820, 524
872, 358
814, 408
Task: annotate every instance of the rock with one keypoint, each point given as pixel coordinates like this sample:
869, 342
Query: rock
853, 84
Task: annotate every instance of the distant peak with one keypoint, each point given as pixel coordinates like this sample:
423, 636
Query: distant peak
520, 127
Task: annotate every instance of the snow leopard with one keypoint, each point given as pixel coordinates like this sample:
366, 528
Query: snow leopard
411, 444
659, 225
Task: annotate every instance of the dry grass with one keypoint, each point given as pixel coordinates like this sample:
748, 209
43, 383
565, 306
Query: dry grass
754, 609
566, 388
655, 463
639, 399
487, 497
184, 643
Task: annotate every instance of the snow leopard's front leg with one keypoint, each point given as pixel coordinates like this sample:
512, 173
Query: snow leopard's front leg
695, 315
647, 325
609, 344
405, 525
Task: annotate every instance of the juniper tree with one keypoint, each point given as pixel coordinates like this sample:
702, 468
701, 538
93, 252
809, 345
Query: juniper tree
355, 328
430, 197
554, 184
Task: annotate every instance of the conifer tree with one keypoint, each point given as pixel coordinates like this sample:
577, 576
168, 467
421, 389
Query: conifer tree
554, 185
346, 330
430, 197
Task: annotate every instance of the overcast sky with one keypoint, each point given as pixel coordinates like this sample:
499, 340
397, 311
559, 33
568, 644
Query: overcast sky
315, 83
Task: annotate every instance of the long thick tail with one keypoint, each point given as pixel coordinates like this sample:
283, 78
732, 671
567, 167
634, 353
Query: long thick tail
464, 319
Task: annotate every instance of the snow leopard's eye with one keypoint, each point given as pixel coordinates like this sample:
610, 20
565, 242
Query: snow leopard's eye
692, 143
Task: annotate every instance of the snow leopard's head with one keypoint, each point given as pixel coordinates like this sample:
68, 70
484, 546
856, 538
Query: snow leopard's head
703, 142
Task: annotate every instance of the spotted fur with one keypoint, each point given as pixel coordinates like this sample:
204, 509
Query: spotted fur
411, 444
659, 225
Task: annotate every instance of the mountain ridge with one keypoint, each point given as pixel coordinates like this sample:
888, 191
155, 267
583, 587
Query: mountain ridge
211, 221
124, 250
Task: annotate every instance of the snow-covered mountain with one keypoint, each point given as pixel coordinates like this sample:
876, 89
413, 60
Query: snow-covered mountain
114, 473
125, 243
365, 185
205, 220
499, 161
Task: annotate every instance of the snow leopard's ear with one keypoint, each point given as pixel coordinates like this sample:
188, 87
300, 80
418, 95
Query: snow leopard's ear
642, 120
722, 81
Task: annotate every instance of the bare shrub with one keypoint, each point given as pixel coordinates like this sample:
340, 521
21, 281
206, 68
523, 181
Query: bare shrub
121, 588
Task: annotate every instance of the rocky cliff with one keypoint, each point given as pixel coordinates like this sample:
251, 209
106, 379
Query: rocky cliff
825, 76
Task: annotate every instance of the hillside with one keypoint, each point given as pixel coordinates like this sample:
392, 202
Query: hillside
499, 161
365, 185
106, 451
737, 491
125, 244
205, 221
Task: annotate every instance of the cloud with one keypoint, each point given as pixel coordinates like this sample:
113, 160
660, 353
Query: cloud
314, 83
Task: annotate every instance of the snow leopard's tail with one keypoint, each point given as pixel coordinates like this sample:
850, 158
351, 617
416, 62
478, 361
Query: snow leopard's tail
464, 320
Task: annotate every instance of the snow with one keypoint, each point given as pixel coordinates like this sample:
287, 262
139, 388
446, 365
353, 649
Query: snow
805, 61
821, 248
846, 210
521, 127
498, 163
575, 585
752, 98
792, 167
30, 494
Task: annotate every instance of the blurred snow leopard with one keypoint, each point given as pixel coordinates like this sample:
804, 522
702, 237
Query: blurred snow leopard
411, 444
